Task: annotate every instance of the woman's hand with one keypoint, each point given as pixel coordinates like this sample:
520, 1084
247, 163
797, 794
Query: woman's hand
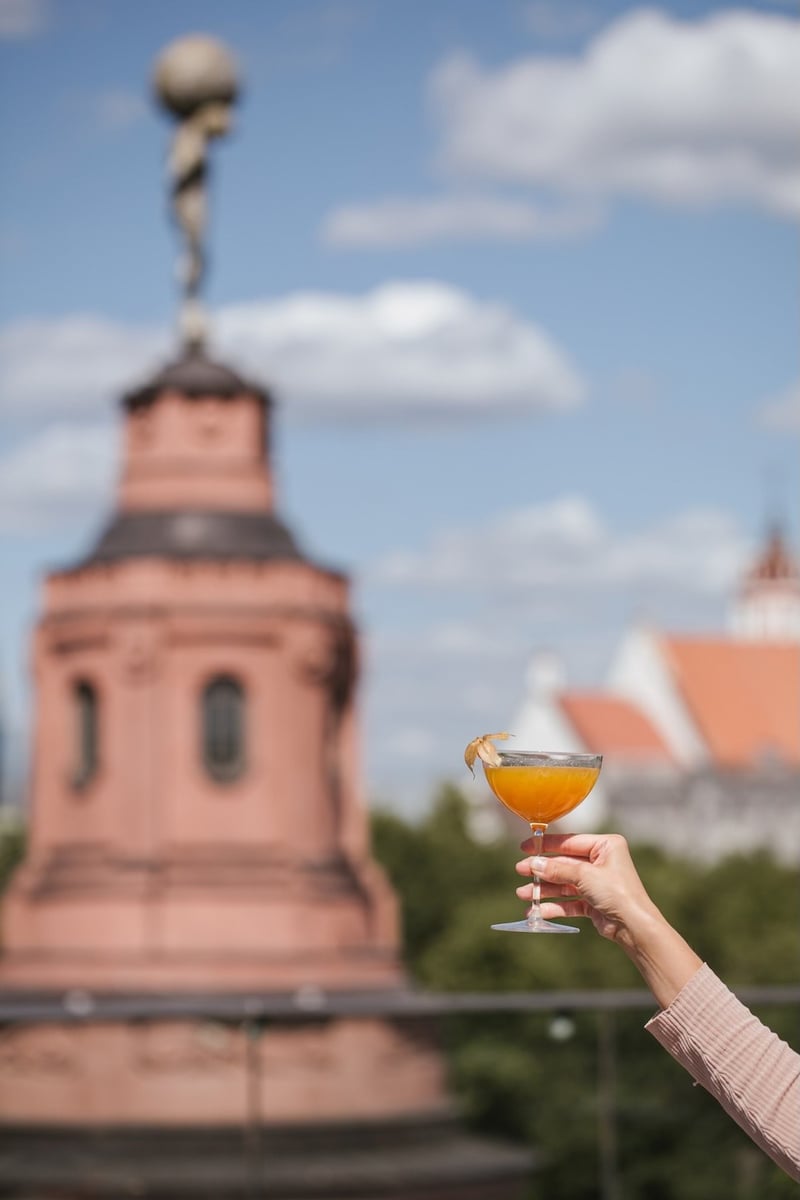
592, 875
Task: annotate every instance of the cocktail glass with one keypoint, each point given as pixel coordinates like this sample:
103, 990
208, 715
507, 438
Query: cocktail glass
541, 788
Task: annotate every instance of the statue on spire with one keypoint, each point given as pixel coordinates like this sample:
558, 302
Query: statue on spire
195, 79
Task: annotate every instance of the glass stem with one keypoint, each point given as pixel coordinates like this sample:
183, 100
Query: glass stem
535, 912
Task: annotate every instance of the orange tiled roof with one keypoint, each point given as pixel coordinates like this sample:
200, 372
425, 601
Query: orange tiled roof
614, 726
744, 696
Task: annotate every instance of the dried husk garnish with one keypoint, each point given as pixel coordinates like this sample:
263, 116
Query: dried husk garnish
482, 748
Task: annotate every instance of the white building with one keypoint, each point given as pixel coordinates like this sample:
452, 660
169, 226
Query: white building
700, 734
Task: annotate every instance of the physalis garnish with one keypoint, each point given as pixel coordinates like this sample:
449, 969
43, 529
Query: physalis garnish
482, 748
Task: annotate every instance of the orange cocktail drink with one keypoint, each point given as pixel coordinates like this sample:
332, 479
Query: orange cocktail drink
541, 794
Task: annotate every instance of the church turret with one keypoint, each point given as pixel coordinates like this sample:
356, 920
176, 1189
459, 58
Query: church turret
767, 607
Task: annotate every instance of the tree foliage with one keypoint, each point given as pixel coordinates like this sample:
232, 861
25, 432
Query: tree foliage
12, 849
609, 1113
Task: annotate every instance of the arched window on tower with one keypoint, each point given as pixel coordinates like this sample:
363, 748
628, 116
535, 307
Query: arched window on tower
85, 732
222, 728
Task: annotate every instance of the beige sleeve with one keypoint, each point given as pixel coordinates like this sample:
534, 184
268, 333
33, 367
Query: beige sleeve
746, 1067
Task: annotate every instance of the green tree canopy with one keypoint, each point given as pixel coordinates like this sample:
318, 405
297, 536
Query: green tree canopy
517, 1076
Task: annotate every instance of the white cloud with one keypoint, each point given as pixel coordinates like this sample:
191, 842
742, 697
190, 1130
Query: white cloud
24, 18
405, 349
402, 349
562, 549
61, 475
71, 364
411, 222
783, 412
679, 112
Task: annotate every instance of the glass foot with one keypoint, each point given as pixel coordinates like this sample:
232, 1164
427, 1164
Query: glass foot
539, 926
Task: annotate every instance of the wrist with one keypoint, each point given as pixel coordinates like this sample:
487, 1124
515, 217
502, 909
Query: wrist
642, 930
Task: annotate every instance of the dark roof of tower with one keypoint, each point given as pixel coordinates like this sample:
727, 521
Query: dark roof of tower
194, 534
194, 374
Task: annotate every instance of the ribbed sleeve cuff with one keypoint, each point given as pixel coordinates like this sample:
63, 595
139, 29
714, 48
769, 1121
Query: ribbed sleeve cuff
702, 993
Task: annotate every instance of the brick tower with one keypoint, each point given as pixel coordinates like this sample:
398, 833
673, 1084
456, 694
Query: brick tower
198, 839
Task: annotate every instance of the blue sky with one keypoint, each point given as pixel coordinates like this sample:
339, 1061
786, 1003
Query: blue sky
522, 275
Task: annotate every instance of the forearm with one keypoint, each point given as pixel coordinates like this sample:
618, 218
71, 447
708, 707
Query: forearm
664, 960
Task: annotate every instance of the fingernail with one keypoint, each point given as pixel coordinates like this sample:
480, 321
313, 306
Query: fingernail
538, 863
